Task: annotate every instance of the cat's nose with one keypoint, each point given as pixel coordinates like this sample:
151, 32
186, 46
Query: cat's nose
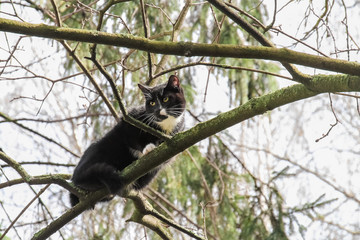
163, 112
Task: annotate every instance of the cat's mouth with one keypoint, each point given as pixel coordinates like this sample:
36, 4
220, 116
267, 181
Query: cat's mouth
162, 117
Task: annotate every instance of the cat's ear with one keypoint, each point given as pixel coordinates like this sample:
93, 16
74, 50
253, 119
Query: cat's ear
173, 82
145, 89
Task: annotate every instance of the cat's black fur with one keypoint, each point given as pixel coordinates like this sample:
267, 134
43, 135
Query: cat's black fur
101, 162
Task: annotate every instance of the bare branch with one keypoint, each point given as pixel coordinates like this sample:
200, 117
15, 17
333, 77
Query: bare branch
8, 119
331, 125
25, 208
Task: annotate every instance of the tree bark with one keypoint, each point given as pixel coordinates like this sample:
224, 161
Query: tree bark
187, 49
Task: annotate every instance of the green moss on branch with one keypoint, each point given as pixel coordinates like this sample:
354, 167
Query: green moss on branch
180, 48
254, 107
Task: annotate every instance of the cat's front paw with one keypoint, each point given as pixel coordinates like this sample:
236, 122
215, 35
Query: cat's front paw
148, 148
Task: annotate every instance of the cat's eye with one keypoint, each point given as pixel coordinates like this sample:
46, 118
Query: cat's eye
152, 103
165, 99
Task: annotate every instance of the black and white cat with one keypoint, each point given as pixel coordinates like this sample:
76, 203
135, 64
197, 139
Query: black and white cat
125, 143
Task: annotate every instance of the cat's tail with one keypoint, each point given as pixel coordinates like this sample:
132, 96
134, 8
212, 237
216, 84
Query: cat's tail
74, 199
96, 177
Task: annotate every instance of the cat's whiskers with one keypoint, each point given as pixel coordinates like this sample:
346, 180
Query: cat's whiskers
174, 111
149, 118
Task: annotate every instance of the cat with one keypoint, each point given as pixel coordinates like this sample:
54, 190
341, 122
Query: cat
99, 166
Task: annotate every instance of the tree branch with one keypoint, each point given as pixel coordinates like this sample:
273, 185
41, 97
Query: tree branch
92, 80
59, 179
255, 106
16, 166
70, 214
145, 210
181, 141
187, 49
24, 209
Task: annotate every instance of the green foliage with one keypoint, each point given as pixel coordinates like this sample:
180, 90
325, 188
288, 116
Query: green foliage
203, 182
187, 183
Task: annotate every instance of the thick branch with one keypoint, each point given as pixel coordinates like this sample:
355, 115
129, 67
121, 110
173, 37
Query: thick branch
16, 166
181, 48
256, 106
141, 215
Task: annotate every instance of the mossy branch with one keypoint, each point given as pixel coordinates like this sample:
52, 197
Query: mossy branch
187, 49
16, 166
256, 106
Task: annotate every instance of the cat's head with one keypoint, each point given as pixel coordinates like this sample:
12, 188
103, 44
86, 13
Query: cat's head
165, 103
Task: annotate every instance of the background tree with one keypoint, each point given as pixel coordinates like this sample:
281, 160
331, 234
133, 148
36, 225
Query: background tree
284, 174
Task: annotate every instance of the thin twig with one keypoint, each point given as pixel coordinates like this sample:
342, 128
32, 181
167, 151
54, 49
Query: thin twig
299, 41
167, 202
22, 211
146, 34
57, 14
8, 119
220, 66
331, 125
9, 218
274, 18
174, 36
295, 73
11, 53
312, 172
126, 116
92, 80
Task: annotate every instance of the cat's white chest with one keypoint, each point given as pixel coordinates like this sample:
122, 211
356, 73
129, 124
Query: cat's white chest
169, 123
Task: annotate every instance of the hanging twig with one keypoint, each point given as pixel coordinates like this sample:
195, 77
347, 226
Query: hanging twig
146, 34
126, 116
22, 211
8, 119
331, 125
295, 73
